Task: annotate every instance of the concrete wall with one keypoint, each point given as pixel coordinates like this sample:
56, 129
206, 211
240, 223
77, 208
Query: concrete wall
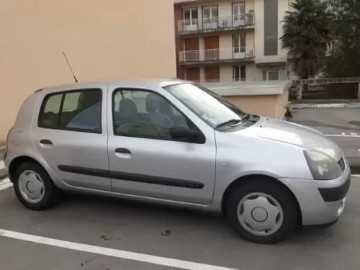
271, 105
103, 39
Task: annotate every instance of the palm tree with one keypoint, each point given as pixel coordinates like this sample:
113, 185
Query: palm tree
307, 36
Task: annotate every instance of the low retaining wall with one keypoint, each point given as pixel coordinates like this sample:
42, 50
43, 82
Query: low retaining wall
269, 98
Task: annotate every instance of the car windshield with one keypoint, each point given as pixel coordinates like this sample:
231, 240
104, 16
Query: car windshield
210, 107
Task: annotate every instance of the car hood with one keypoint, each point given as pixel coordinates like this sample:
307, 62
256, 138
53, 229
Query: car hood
295, 134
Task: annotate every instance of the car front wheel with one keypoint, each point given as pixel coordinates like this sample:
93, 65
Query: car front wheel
262, 211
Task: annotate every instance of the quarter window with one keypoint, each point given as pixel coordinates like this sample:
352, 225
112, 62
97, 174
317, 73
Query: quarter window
144, 114
73, 110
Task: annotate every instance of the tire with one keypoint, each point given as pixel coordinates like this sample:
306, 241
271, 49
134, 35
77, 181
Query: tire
246, 210
46, 193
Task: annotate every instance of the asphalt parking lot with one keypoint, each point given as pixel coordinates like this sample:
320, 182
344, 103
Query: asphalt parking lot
95, 233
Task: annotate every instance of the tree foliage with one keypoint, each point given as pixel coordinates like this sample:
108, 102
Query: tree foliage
344, 56
307, 35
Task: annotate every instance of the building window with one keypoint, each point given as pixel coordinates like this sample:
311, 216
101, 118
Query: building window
190, 16
239, 73
239, 14
192, 74
212, 74
270, 27
239, 43
273, 75
210, 17
270, 75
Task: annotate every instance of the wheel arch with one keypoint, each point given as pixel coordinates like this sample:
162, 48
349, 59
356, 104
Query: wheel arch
244, 179
19, 160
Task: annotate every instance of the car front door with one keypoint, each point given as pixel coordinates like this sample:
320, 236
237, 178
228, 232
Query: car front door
71, 135
145, 160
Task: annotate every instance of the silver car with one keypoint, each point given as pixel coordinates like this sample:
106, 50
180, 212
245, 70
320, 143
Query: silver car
177, 143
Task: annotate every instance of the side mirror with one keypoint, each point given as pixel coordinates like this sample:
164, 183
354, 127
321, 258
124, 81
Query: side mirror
184, 134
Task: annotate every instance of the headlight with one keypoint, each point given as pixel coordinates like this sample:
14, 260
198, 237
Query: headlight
322, 166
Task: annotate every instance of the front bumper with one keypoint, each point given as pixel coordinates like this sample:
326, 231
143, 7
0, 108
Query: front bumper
321, 201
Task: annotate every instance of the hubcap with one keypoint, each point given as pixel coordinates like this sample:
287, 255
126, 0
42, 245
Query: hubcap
31, 186
260, 214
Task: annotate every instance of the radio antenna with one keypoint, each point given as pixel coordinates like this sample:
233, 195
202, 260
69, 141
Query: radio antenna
72, 72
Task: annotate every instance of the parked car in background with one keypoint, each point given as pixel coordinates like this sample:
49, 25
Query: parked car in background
178, 143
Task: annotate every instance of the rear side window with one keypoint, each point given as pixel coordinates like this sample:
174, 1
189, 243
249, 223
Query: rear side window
73, 110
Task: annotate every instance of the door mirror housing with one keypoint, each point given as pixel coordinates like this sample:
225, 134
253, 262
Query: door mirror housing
186, 134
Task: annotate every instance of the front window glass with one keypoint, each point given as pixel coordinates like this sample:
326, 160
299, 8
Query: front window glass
210, 107
145, 114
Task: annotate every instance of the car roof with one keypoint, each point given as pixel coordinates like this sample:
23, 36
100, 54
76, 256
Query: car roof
152, 84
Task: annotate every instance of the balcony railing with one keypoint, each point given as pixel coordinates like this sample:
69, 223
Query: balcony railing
216, 54
216, 23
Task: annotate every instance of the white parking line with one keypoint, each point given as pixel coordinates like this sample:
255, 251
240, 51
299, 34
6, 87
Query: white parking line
110, 252
342, 135
5, 184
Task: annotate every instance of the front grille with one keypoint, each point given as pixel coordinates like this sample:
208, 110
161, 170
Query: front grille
342, 163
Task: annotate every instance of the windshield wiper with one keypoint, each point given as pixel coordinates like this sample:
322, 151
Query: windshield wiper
250, 117
229, 122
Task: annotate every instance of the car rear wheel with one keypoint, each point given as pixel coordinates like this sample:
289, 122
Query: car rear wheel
34, 187
262, 211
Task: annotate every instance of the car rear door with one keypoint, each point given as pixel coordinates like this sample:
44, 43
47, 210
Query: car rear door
71, 135
145, 161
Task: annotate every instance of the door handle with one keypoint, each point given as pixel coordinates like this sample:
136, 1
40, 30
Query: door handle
122, 151
45, 141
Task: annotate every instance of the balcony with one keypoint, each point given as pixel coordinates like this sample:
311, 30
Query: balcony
215, 24
222, 55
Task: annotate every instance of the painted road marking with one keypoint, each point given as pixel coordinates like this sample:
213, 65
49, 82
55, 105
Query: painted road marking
343, 135
5, 184
122, 254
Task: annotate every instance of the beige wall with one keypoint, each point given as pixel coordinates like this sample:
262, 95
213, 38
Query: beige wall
226, 73
103, 39
225, 44
224, 9
271, 106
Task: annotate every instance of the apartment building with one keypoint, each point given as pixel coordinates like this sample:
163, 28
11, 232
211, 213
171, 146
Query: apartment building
230, 40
